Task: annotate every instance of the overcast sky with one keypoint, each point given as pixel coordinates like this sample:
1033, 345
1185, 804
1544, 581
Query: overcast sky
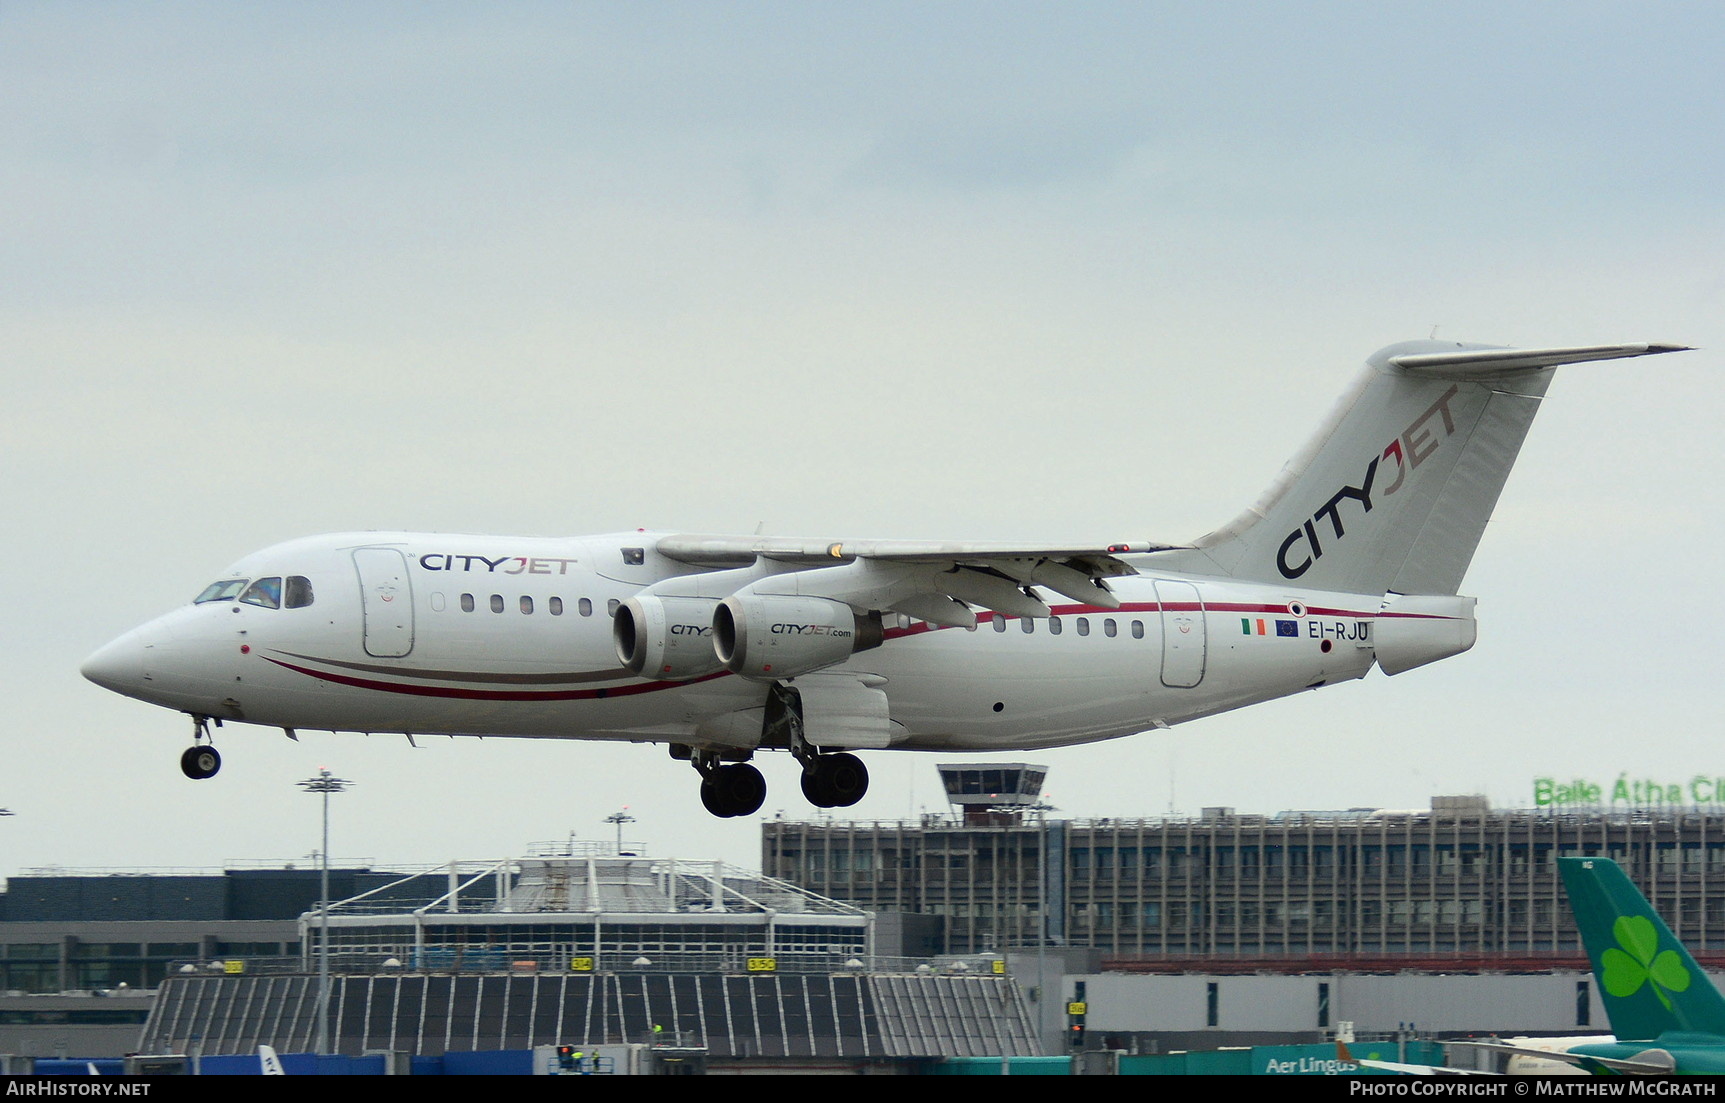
962, 270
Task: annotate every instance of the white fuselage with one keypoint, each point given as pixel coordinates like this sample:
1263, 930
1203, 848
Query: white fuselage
509, 636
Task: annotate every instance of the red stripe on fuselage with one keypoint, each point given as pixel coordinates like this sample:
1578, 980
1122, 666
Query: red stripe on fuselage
1172, 607
496, 694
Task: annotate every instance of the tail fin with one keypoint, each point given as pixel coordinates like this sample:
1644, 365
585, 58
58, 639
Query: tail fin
1394, 491
1647, 980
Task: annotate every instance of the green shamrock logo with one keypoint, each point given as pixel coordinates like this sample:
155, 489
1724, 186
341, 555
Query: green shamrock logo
1641, 962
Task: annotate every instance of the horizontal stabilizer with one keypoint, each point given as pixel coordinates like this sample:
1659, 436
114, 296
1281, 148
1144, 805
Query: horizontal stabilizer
1471, 363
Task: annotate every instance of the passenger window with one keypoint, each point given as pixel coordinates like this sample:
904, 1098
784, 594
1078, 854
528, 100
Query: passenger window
611, 607
1054, 626
467, 603
437, 602
497, 603
999, 623
1137, 629
298, 594
221, 591
265, 592
584, 607
1109, 628
1027, 624
526, 604
556, 606
1083, 626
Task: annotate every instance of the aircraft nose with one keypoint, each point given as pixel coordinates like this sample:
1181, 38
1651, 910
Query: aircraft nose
119, 666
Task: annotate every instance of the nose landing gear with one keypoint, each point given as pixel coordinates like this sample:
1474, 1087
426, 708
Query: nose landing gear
200, 760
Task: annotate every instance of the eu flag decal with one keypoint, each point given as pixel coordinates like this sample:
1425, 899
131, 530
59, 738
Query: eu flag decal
1287, 628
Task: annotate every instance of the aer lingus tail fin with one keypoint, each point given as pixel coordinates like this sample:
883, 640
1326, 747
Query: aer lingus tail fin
1647, 980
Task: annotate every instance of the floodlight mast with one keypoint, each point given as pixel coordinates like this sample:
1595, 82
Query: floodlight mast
620, 818
324, 783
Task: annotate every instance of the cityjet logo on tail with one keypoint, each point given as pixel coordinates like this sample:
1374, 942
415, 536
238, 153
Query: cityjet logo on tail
1412, 448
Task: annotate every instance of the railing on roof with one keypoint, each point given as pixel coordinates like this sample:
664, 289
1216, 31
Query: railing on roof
561, 884
492, 961
1567, 815
344, 866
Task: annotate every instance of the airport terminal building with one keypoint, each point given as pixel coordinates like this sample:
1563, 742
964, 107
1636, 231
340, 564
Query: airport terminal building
1459, 881
871, 944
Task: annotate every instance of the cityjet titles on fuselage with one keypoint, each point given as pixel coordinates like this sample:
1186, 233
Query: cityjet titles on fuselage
503, 564
810, 630
1409, 450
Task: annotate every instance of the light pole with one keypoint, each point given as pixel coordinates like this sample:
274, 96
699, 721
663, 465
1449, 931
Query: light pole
324, 783
620, 818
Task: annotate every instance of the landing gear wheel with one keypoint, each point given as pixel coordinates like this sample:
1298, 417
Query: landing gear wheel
732, 791
711, 799
744, 788
728, 791
199, 763
812, 791
835, 780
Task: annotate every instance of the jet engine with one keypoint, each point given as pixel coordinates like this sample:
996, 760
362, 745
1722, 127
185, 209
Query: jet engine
666, 637
771, 636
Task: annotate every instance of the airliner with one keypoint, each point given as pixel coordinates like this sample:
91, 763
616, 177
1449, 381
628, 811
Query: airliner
1666, 1015
721, 647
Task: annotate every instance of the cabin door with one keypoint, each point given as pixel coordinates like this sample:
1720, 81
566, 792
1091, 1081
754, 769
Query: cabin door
386, 601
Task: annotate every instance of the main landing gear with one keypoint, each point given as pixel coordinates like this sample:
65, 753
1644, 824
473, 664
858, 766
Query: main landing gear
738, 789
728, 791
836, 780
200, 760
830, 780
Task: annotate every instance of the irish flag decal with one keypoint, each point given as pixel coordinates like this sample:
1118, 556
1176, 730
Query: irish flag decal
1263, 627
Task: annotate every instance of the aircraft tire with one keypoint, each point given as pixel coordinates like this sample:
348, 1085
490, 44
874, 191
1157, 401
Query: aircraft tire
199, 763
814, 791
711, 799
846, 778
744, 788
732, 791
835, 781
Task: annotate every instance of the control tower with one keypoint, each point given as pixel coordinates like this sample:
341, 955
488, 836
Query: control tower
994, 794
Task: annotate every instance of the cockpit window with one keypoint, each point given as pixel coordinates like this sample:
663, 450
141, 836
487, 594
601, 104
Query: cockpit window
221, 591
266, 592
298, 592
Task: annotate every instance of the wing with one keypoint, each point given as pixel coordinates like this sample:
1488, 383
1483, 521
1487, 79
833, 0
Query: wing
930, 580
1648, 1062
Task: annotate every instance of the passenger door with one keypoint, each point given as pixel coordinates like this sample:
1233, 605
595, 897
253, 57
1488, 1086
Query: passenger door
386, 601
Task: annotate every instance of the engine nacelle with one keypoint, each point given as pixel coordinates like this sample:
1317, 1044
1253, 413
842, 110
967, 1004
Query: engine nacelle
771, 636
666, 637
